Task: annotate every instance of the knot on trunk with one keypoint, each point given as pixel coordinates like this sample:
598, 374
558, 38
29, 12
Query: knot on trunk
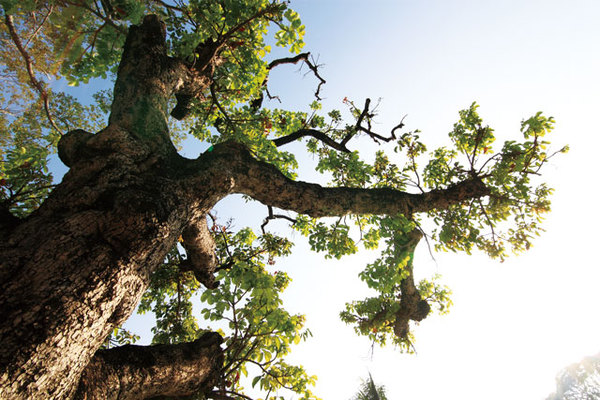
197, 76
72, 146
183, 106
411, 308
79, 145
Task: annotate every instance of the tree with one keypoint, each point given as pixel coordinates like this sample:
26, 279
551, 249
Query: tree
77, 262
370, 391
579, 381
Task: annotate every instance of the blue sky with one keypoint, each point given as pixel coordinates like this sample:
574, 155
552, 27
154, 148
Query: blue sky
513, 325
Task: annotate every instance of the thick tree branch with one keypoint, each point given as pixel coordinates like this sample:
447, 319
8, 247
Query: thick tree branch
7, 220
268, 185
205, 61
147, 78
411, 306
144, 372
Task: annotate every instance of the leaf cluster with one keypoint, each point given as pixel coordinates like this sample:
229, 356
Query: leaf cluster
26, 143
505, 220
510, 217
391, 276
246, 308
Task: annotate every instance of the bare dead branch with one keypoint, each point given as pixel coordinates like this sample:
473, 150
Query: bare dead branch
365, 116
312, 133
399, 126
357, 126
302, 57
314, 68
272, 216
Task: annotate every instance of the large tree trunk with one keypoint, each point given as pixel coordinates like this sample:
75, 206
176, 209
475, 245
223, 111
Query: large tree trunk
77, 267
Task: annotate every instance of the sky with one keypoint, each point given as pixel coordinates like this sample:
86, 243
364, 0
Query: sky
515, 324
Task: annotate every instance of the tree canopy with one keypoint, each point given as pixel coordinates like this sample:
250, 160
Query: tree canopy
207, 63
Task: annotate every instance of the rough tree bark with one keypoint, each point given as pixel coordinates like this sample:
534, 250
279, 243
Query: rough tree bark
77, 267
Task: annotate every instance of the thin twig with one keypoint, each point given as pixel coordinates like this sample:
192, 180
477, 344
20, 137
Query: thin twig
37, 30
272, 216
267, 10
426, 241
213, 94
302, 57
35, 83
489, 221
120, 28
